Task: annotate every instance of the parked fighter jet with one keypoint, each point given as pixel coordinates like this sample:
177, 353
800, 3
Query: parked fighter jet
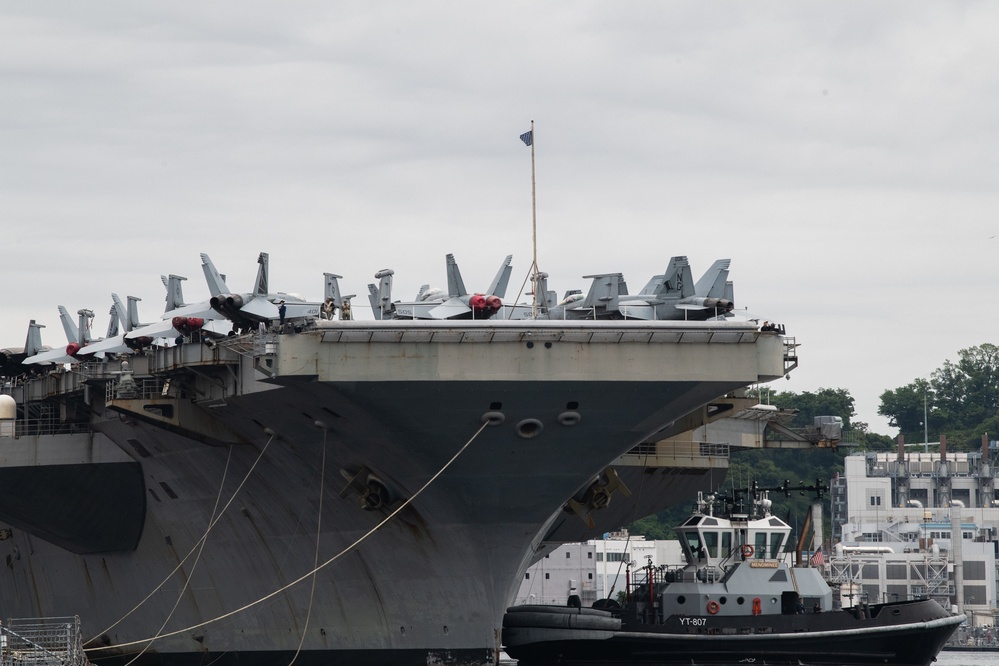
180, 318
432, 303
12, 358
77, 337
672, 295
247, 310
121, 343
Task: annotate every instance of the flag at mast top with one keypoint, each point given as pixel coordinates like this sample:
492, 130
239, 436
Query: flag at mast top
527, 137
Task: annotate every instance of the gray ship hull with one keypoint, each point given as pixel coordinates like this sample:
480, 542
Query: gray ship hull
346, 431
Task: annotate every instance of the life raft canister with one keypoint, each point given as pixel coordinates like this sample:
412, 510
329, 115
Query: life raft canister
713, 606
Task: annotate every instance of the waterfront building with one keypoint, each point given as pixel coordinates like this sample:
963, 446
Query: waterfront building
592, 570
919, 524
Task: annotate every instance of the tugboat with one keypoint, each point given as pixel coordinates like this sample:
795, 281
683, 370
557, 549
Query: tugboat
737, 601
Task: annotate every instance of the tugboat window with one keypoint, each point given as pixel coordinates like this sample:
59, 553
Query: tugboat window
692, 544
726, 544
711, 543
761, 545
776, 539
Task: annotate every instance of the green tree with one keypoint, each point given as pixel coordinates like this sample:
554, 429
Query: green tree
905, 406
824, 402
969, 389
962, 399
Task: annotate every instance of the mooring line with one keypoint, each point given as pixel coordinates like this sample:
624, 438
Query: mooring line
310, 573
315, 557
211, 524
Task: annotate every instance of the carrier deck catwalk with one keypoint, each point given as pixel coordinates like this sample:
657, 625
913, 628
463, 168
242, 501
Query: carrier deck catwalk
463, 439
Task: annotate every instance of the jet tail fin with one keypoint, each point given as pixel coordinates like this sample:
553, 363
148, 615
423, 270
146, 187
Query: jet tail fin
33, 343
132, 310
260, 286
455, 285
175, 292
712, 283
120, 314
72, 333
85, 318
113, 321
547, 299
660, 285
502, 279
605, 290
685, 280
216, 283
332, 289
380, 297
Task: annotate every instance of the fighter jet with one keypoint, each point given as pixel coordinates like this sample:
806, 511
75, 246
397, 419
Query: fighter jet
12, 358
670, 296
432, 303
247, 310
121, 343
77, 337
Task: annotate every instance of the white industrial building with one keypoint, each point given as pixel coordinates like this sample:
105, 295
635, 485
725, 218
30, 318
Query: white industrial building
917, 524
592, 570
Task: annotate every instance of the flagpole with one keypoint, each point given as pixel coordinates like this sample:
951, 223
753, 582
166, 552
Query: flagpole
534, 229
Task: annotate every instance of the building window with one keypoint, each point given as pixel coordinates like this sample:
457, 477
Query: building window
527, 576
875, 500
590, 575
547, 576
567, 554
589, 555
600, 557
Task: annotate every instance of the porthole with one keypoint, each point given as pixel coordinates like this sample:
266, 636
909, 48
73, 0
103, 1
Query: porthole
569, 418
493, 418
530, 428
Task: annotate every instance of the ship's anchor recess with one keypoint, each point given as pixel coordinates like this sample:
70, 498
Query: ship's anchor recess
597, 496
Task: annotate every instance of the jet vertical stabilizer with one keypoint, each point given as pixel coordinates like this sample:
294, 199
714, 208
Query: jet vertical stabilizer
661, 285
72, 333
260, 288
113, 321
546, 299
605, 290
502, 279
119, 314
85, 319
175, 292
380, 297
455, 285
33, 343
333, 289
216, 283
132, 320
712, 283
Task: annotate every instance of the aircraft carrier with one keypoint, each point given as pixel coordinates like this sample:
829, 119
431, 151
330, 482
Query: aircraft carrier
360, 492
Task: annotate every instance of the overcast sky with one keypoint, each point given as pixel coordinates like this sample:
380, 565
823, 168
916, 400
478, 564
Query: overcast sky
843, 155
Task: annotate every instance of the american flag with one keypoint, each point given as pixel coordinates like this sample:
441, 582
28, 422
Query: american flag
527, 138
817, 559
